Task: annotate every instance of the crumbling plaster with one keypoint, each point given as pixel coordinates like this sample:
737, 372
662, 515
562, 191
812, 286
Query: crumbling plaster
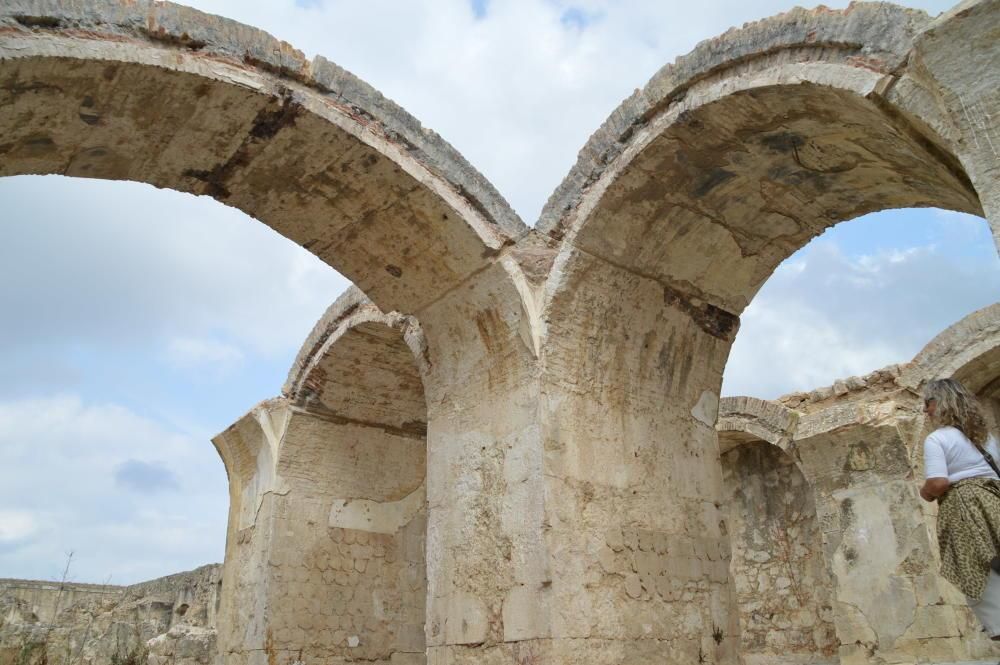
555, 403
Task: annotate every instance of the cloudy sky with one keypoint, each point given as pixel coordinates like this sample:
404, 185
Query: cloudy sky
138, 322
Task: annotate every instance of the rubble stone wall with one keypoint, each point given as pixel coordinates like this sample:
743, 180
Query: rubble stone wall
858, 445
170, 620
781, 578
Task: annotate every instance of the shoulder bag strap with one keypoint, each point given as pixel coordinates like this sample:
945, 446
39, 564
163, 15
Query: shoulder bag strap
988, 458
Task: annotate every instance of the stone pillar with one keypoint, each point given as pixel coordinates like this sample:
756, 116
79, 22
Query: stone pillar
248, 449
634, 520
955, 57
487, 568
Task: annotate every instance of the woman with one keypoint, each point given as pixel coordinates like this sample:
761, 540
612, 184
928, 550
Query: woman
964, 481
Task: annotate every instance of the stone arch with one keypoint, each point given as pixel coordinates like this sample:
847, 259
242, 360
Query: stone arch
750, 146
968, 351
163, 94
357, 372
679, 208
333, 563
742, 417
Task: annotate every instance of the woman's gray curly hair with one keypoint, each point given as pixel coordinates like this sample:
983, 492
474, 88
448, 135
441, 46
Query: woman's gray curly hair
956, 407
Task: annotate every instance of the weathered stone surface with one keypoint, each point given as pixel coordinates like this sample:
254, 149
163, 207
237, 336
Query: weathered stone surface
860, 455
509, 453
328, 518
783, 584
172, 619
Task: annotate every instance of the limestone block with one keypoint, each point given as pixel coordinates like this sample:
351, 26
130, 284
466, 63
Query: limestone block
525, 614
467, 621
933, 621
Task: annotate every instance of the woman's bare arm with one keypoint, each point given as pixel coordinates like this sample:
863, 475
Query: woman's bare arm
934, 488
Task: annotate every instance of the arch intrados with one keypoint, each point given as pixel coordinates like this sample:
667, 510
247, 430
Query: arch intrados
744, 420
737, 155
363, 366
163, 94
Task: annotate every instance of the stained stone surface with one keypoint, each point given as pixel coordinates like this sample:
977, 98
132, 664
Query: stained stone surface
502, 446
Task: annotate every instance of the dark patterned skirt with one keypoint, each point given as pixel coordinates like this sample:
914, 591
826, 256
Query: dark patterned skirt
968, 528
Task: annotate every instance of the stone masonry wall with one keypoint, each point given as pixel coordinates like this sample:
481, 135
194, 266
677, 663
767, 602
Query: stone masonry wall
343, 594
782, 585
326, 564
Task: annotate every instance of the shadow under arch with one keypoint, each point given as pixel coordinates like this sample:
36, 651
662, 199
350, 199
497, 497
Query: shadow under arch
678, 209
333, 561
163, 94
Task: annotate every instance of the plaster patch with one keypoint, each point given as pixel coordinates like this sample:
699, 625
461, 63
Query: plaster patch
707, 408
374, 516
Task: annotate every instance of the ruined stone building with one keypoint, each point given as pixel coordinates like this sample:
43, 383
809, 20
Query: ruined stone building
167, 621
506, 445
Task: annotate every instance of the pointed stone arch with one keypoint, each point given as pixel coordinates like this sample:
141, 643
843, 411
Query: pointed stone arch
968, 351
163, 94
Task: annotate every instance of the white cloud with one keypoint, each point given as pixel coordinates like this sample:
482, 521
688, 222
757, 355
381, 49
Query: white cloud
62, 458
190, 265
16, 526
826, 315
205, 355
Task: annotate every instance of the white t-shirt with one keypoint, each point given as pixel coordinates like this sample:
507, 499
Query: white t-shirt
949, 454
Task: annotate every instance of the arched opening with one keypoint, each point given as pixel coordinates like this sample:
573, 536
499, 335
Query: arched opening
326, 548
781, 583
161, 94
866, 294
126, 346
678, 210
170, 96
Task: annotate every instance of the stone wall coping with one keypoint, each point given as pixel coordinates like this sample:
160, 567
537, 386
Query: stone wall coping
844, 388
55, 585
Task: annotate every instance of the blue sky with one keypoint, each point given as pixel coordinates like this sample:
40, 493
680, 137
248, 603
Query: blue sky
140, 322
